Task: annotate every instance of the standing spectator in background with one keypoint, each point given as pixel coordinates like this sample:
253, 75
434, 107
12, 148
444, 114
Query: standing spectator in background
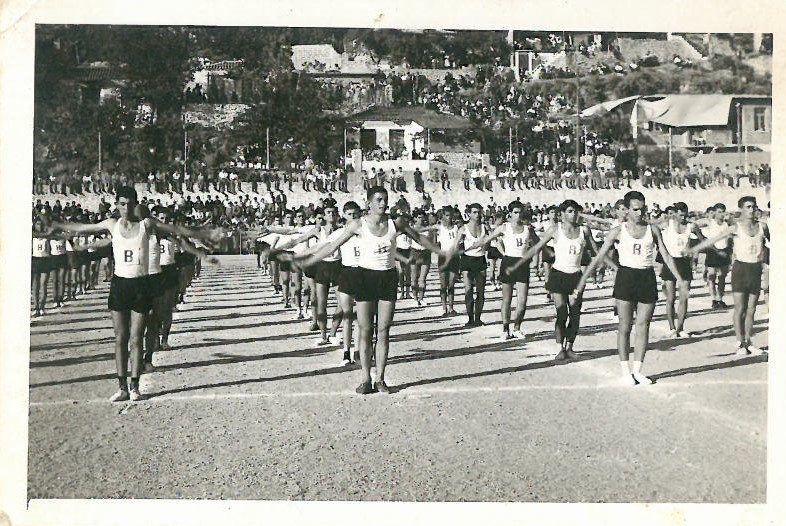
222, 180
175, 182
187, 185
234, 182
466, 177
418, 179
151, 180
445, 180
255, 182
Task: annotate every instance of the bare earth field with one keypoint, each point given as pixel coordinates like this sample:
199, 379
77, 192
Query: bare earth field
245, 407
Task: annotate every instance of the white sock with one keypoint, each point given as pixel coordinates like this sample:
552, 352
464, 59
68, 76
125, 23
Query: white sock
624, 367
636, 367
637, 374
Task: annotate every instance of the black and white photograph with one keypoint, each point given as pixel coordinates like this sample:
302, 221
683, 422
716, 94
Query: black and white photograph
404, 260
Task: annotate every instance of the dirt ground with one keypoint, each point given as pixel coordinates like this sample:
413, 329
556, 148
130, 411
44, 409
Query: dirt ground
245, 407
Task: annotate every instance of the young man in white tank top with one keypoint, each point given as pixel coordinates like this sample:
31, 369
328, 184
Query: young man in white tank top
718, 256
517, 236
473, 265
377, 280
129, 297
40, 266
635, 287
447, 238
676, 238
569, 241
749, 235
421, 258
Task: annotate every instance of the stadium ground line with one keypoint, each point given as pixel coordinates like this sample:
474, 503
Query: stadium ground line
414, 393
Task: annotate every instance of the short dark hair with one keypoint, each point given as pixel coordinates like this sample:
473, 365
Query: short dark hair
620, 202
477, 206
681, 207
375, 190
515, 205
745, 199
570, 203
351, 205
127, 192
633, 195
719, 206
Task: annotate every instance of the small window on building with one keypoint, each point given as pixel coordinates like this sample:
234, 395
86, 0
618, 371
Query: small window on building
759, 122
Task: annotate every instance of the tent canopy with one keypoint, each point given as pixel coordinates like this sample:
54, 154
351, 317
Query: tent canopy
678, 111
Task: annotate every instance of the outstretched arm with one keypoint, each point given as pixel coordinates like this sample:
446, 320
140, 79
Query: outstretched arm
424, 241
189, 247
667, 259
211, 235
328, 248
604, 249
308, 235
708, 242
84, 228
535, 249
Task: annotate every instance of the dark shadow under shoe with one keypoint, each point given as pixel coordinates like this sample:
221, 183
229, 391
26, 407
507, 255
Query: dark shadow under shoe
364, 388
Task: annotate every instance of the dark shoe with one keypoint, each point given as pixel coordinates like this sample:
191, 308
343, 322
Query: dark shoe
479, 323
722, 305
715, 304
381, 387
470, 323
364, 388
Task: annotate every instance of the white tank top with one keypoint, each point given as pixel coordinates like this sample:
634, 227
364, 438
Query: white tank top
676, 242
748, 249
568, 252
69, 246
376, 252
90, 239
154, 255
58, 247
636, 253
403, 242
470, 240
712, 230
328, 238
446, 237
40, 247
167, 249
515, 243
300, 247
131, 259
350, 251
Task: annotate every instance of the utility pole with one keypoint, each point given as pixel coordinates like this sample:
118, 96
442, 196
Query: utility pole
578, 115
267, 148
99, 151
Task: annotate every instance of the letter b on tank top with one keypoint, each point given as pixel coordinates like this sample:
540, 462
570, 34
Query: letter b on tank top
128, 256
572, 250
356, 250
637, 248
519, 241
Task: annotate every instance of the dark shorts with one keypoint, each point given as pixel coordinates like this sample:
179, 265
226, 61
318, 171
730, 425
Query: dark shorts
746, 277
453, 266
170, 277
285, 266
520, 275
547, 254
684, 268
422, 256
59, 262
309, 271
94, 255
494, 253
636, 285
405, 252
561, 282
155, 284
376, 285
40, 265
348, 280
473, 264
717, 258
327, 272
129, 294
